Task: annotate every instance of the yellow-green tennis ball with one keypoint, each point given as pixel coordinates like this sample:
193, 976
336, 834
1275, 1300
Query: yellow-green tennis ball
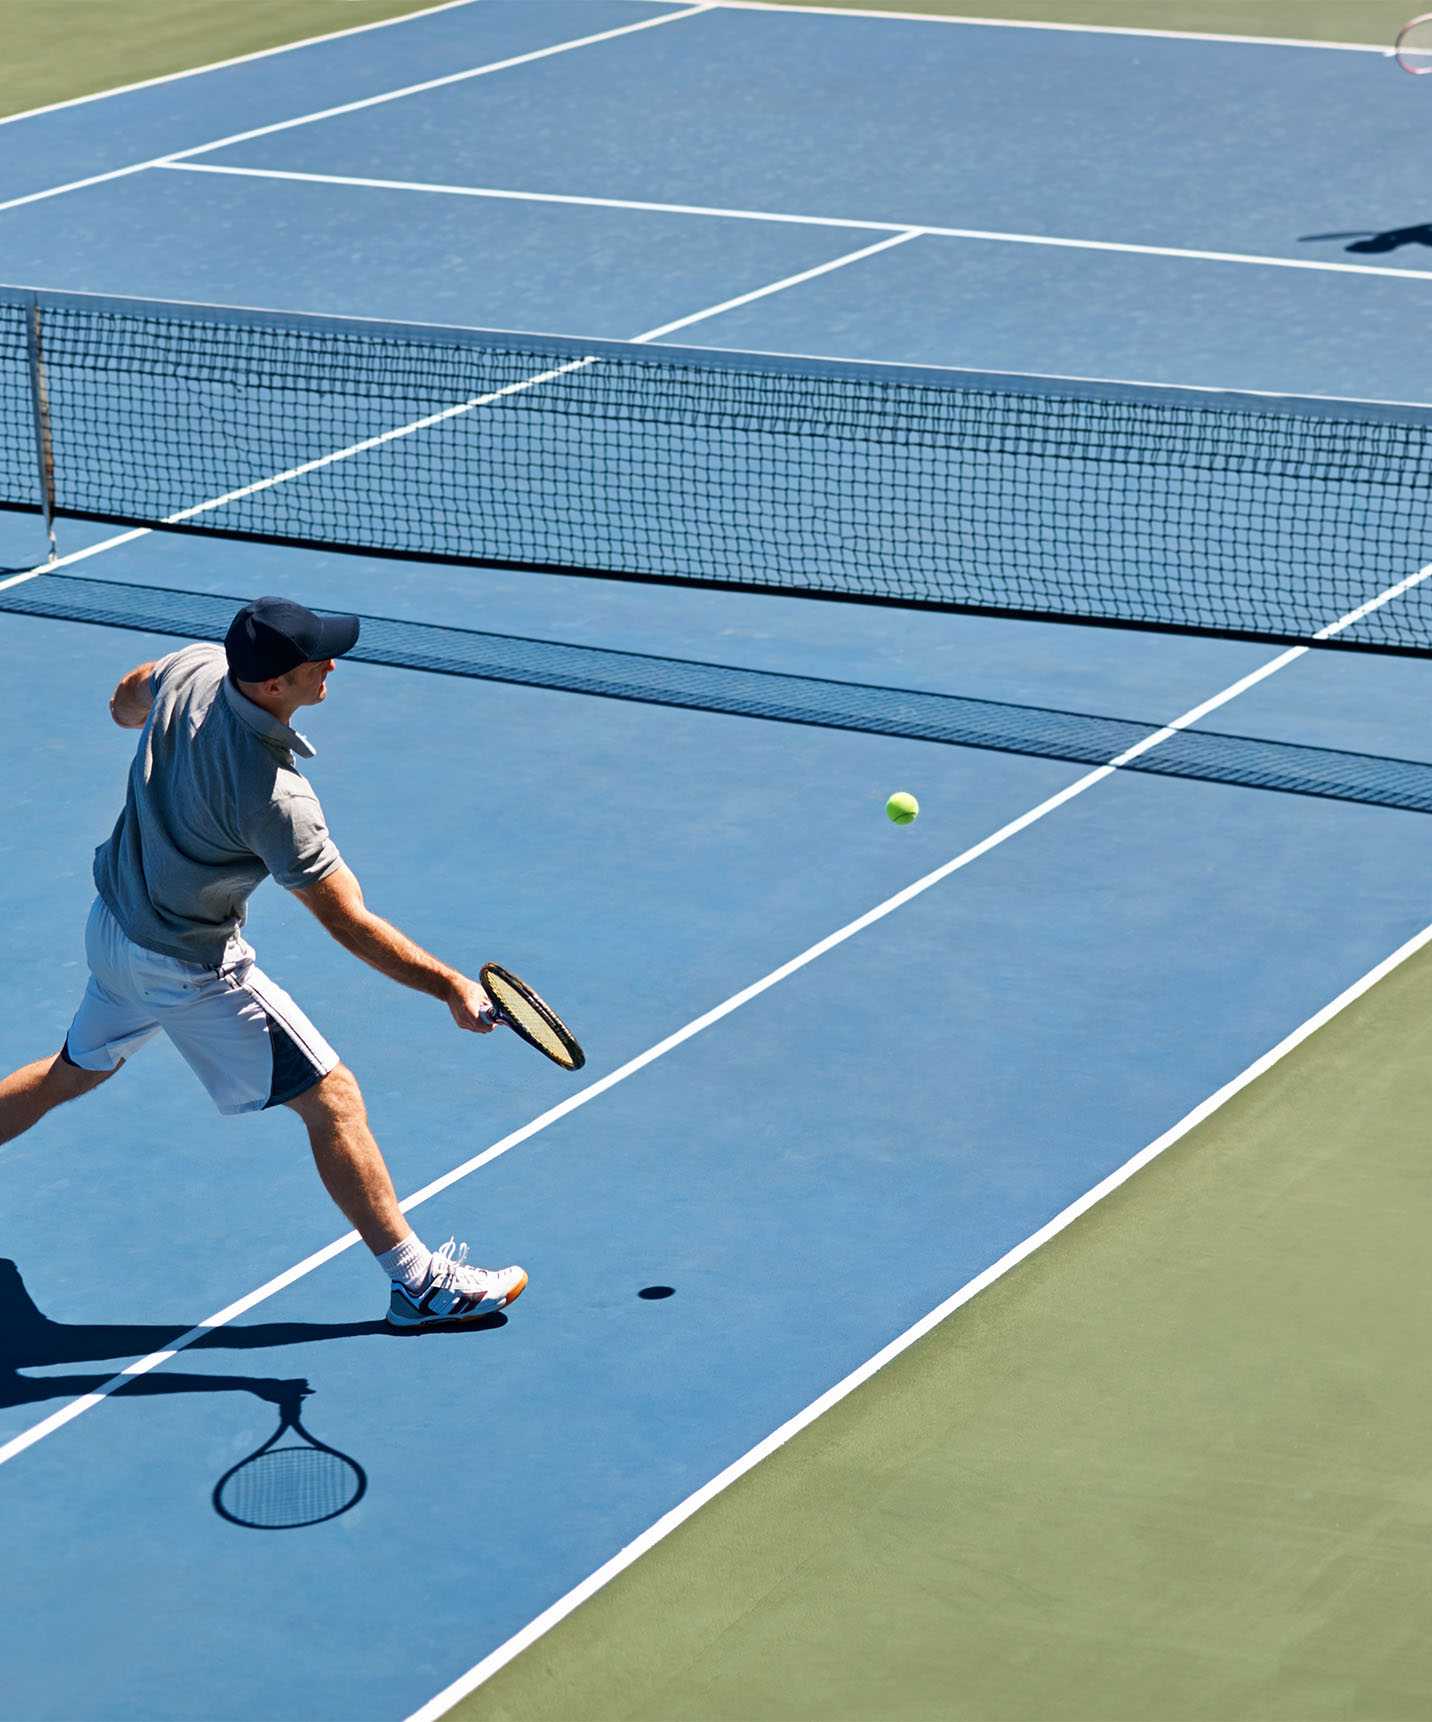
902, 808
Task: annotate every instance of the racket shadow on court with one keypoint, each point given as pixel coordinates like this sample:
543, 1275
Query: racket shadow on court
293, 1479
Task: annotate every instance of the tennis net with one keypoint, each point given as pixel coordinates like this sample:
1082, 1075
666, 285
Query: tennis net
1195, 511
1042, 732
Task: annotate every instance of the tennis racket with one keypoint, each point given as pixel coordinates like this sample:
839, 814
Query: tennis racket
1414, 46
515, 1003
287, 1484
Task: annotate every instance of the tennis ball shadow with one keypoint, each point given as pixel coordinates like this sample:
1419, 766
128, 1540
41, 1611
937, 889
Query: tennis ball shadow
652, 1293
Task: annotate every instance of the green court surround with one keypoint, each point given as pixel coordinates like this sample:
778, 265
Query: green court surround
1174, 1466
58, 49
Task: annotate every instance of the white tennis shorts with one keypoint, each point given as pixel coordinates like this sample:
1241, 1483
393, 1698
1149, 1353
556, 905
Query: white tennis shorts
242, 1036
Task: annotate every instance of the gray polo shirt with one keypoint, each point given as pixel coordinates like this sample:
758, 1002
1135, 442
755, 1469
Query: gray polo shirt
215, 804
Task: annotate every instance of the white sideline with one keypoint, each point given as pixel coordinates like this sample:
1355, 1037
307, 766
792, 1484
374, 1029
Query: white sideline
67, 1413
235, 60
447, 413
633, 1551
911, 228
1033, 24
354, 106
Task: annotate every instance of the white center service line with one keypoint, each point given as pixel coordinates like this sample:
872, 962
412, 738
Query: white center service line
720, 212
221, 1318
355, 106
461, 407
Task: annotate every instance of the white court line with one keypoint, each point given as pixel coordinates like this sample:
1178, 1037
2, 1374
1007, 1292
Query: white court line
67, 1413
448, 413
664, 1526
1031, 24
236, 60
776, 286
355, 106
907, 227
294, 472
76, 556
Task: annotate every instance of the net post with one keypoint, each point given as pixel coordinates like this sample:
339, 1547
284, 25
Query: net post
40, 401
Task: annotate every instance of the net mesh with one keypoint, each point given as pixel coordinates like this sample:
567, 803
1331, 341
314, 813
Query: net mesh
1035, 730
1146, 507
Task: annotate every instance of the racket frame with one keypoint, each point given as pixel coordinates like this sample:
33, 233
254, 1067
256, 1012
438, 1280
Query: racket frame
542, 1009
1423, 19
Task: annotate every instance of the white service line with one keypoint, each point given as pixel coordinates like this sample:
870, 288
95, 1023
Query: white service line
1031, 24
664, 1526
77, 556
777, 286
67, 1413
447, 413
236, 60
643, 207
355, 106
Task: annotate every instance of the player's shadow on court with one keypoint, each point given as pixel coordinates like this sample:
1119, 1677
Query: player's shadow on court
1367, 244
30, 1340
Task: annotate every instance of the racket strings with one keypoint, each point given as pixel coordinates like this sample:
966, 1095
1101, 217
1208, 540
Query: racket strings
290, 1486
533, 1022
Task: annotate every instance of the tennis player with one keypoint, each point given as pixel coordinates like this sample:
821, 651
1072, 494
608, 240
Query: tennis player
215, 804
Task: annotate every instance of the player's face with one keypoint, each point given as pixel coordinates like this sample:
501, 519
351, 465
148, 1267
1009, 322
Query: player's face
310, 681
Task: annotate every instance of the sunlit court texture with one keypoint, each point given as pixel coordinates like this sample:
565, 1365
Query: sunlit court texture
715, 848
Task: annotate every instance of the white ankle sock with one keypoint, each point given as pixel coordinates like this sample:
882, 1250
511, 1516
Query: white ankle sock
408, 1263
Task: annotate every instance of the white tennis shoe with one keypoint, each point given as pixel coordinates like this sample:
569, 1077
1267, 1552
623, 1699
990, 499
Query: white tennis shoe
456, 1294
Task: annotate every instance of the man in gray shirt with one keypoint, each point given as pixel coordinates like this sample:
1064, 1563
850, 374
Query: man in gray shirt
215, 804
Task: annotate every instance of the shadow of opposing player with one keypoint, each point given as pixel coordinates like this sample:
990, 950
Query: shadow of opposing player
1369, 244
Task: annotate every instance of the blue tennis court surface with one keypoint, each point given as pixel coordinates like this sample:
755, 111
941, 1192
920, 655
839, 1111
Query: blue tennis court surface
822, 1165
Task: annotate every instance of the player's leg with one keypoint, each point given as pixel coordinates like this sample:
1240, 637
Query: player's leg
254, 1048
349, 1161
427, 1288
27, 1094
112, 1022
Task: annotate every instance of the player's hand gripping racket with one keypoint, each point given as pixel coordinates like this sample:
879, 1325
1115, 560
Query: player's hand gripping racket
515, 1003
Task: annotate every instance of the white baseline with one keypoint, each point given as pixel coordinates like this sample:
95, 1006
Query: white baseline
1032, 24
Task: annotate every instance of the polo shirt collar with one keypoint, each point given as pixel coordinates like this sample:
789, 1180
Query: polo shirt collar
265, 724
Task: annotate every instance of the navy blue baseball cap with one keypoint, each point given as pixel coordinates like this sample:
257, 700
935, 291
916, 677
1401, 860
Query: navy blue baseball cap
272, 636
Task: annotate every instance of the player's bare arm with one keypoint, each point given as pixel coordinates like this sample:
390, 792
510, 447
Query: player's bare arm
337, 902
130, 702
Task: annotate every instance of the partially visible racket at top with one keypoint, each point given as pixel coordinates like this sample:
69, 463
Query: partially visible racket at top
515, 1003
1414, 46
